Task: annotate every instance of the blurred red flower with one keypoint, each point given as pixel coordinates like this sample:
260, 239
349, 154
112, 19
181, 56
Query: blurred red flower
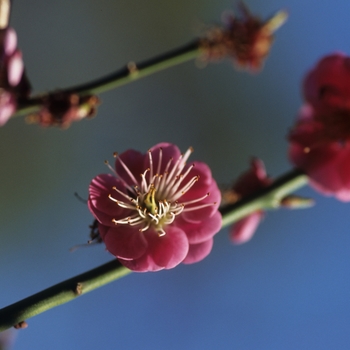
250, 182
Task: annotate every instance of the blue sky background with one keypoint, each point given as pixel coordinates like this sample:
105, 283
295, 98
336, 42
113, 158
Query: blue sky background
288, 288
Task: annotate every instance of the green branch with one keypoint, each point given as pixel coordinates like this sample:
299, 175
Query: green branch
88, 281
131, 72
60, 293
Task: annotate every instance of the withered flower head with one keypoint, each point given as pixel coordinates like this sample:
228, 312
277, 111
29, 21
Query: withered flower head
61, 109
246, 39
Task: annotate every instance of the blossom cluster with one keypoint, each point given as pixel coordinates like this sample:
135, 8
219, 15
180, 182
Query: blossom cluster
320, 140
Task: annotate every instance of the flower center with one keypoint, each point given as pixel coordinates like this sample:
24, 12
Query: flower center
150, 201
154, 200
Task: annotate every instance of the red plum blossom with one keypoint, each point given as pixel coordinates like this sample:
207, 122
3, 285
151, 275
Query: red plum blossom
328, 84
156, 210
250, 182
317, 151
320, 139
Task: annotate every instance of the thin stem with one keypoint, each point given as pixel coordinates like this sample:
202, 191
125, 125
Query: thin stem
86, 282
60, 293
131, 72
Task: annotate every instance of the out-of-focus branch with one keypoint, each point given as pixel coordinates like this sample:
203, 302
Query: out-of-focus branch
131, 72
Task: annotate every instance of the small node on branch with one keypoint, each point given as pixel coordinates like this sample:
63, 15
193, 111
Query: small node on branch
132, 68
79, 289
296, 202
21, 325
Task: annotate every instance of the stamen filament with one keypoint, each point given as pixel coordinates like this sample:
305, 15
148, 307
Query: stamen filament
181, 178
176, 170
185, 188
144, 185
153, 217
145, 228
199, 207
150, 165
110, 168
123, 194
160, 159
197, 199
161, 233
132, 177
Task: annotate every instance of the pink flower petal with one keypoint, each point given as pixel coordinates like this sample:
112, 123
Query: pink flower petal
326, 162
123, 241
10, 41
168, 250
328, 84
198, 252
143, 264
15, 68
243, 230
252, 180
100, 204
328, 168
202, 231
164, 252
